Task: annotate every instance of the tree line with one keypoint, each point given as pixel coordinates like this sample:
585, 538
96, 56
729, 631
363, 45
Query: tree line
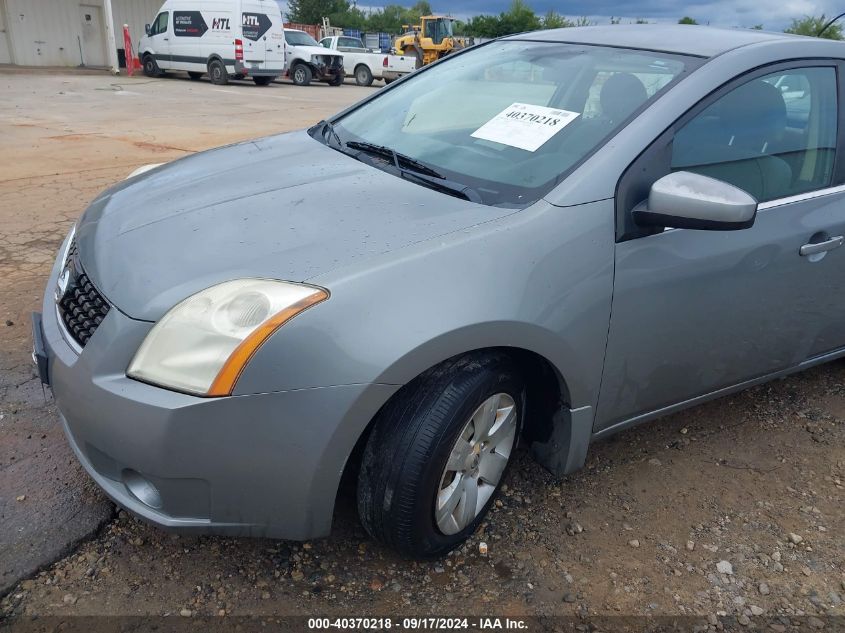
518, 18
810, 25
348, 15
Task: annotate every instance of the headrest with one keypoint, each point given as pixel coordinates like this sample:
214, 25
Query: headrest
621, 94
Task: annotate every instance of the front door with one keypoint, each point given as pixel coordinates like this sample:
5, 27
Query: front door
93, 39
159, 38
697, 311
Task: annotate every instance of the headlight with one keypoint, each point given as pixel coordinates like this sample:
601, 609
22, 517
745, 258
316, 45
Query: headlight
203, 344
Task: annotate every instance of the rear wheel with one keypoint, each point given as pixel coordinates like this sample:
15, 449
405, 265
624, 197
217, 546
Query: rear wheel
301, 75
262, 81
194, 75
151, 68
363, 76
438, 452
217, 72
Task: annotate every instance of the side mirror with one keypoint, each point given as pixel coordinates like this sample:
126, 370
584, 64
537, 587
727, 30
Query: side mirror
147, 29
684, 200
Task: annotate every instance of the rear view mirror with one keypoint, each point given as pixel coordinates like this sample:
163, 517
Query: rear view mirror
147, 29
684, 200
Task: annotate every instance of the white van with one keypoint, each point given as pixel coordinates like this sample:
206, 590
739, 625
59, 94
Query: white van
228, 39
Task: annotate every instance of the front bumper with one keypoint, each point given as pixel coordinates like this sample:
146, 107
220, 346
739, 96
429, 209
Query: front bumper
255, 465
323, 72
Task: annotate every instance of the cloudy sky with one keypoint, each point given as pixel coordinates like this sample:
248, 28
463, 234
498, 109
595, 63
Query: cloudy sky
772, 14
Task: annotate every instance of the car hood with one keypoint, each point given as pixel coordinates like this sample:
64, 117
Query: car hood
284, 207
308, 51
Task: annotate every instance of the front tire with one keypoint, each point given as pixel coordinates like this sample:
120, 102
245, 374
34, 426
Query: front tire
363, 76
151, 68
217, 72
301, 75
438, 453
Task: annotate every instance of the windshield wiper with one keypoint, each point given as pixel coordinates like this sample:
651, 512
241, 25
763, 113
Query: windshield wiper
413, 169
443, 185
398, 159
419, 172
328, 127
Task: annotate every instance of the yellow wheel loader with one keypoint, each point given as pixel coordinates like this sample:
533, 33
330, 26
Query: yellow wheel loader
429, 40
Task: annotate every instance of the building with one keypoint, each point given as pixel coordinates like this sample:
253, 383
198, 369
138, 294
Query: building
85, 33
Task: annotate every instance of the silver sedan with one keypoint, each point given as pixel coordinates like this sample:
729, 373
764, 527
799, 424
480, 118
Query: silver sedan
541, 240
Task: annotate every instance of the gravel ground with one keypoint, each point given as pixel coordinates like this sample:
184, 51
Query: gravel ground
732, 509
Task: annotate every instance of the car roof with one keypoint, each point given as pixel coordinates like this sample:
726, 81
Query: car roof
685, 39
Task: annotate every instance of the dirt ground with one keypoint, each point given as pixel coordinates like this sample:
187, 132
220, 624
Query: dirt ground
64, 138
732, 509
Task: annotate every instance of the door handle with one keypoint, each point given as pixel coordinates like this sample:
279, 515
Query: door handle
166, 39
822, 247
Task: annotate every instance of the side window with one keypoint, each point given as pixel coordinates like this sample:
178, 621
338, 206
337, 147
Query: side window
774, 136
326, 42
160, 24
349, 42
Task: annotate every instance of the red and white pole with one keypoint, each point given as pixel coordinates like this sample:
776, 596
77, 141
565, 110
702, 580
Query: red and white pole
129, 54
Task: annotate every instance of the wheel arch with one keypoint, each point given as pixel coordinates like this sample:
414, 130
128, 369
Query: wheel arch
517, 337
214, 57
548, 427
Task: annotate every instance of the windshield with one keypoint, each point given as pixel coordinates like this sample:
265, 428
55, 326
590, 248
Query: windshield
510, 119
299, 38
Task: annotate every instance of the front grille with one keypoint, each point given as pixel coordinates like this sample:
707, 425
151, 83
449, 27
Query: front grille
82, 308
335, 62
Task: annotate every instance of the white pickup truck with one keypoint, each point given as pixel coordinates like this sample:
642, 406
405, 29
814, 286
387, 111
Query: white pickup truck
396, 66
364, 64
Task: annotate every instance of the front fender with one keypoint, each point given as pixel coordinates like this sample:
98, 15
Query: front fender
540, 279
477, 336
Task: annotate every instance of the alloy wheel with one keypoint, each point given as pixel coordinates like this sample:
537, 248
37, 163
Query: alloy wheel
476, 463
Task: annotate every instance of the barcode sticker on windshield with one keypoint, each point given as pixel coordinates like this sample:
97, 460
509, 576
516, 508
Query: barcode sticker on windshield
525, 126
